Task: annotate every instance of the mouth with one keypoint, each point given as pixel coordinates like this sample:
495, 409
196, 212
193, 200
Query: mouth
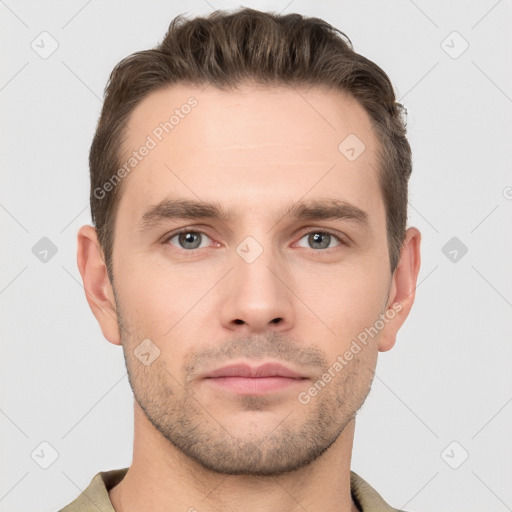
245, 379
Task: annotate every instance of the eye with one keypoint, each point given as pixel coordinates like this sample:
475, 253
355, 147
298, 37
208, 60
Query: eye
188, 239
321, 240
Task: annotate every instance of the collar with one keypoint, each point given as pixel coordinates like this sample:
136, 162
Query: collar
95, 497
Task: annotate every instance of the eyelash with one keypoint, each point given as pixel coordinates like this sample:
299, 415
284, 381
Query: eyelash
322, 231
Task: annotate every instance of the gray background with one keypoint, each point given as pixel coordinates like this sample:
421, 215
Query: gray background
447, 379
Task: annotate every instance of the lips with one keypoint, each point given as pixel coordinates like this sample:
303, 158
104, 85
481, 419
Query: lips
254, 372
244, 379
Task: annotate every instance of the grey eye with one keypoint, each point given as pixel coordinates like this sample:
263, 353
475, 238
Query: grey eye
320, 240
189, 240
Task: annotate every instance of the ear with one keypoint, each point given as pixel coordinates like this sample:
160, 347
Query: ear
403, 289
97, 286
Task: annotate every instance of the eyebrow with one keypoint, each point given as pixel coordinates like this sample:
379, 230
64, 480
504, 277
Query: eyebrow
312, 210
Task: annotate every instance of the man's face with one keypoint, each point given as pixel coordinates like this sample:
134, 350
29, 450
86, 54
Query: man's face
263, 285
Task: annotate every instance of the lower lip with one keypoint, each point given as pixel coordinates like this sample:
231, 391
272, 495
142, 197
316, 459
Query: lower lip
255, 385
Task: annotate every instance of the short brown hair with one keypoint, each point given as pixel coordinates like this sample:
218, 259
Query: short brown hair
227, 49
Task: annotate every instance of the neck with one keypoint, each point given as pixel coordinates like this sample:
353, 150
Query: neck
162, 478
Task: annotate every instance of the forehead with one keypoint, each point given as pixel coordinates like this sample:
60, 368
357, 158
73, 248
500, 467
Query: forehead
248, 144
237, 116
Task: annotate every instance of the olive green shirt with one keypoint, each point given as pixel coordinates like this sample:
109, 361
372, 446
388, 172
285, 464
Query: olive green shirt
95, 498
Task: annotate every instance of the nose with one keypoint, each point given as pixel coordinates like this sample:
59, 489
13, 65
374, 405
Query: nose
258, 296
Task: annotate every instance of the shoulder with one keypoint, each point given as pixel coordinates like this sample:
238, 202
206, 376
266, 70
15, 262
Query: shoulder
366, 497
95, 497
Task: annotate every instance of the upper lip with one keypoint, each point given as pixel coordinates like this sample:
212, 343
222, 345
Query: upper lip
246, 370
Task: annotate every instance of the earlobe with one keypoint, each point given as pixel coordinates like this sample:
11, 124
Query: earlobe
403, 288
97, 286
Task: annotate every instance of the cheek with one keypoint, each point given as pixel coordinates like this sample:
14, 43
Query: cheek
348, 300
148, 284
166, 304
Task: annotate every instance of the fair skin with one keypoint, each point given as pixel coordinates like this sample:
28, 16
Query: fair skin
233, 444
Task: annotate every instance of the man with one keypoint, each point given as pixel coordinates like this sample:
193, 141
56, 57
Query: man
250, 254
